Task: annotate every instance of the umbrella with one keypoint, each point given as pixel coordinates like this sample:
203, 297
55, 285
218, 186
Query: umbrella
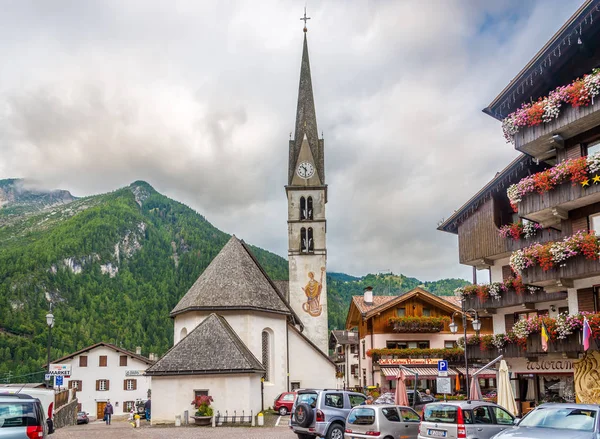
506, 397
475, 390
401, 395
457, 383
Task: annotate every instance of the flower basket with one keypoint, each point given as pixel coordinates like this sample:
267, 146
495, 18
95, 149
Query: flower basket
204, 412
202, 420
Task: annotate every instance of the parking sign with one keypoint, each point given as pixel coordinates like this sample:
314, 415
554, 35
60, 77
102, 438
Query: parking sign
58, 380
442, 366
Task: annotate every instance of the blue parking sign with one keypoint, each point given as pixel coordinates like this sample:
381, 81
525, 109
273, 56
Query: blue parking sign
442, 366
58, 380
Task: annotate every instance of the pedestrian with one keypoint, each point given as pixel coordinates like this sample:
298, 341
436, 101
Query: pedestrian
108, 411
368, 401
147, 406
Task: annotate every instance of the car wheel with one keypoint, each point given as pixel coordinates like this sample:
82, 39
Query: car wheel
283, 411
336, 431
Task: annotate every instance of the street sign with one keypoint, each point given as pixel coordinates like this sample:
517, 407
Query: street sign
58, 381
443, 373
60, 369
47, 377
444, 385
442, 366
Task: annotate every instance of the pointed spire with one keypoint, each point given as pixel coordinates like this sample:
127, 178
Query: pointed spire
306, 118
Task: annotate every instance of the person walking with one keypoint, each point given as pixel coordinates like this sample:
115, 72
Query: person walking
108, 411
147, 409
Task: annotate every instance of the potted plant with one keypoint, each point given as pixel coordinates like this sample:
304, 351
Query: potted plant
204, 412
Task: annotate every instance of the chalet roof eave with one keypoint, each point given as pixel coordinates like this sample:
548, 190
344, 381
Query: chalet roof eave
401, 298
107, 345
542, 54
448, 224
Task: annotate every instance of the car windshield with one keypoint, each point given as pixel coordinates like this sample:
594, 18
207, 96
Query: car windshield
567, 418
440, 413
361, 416
17, 414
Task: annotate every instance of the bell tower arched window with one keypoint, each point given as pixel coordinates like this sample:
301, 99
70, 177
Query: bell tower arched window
311, 246
309, 208
303, 208
306, 240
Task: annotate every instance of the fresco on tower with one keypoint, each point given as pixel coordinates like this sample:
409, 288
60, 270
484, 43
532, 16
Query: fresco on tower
313, 294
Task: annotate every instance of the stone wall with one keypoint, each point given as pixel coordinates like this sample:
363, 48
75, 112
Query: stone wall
66, 415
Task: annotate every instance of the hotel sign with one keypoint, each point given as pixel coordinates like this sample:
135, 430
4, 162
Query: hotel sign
409, 361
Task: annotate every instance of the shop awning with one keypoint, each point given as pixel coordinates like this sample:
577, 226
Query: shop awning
485, 373
425, 373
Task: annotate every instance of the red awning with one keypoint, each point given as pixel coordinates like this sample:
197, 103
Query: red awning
425, 373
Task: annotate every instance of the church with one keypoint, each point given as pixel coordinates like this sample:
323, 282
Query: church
241, 337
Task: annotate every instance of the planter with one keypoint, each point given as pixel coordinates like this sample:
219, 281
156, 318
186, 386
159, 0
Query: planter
202, 420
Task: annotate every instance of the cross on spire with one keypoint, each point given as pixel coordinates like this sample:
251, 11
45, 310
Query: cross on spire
305, 18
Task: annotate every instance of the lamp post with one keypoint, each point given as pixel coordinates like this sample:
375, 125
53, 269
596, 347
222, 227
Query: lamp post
454, 329
50, 323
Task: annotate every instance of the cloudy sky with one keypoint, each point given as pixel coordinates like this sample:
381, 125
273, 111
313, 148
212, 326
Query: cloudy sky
199, 98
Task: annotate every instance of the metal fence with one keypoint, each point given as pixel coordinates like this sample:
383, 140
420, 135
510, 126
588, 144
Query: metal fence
236, 418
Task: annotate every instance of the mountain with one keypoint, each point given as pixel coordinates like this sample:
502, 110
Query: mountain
114, 265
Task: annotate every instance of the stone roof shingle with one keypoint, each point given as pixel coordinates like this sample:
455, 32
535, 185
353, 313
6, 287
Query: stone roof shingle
212, 347
359, 301
233, 280
345, 337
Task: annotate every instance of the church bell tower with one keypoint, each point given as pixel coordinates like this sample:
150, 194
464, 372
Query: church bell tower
307, 195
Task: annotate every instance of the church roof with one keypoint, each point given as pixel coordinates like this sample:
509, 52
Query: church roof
212, 347
306, 121
234, 280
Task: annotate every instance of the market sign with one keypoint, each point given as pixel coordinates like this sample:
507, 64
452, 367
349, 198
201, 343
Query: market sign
407, 361
60, 369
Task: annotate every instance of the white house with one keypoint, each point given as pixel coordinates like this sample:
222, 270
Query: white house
103, 372
345, 355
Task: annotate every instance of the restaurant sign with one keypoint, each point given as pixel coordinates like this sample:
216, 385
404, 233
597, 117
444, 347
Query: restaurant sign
409, 361
542, 366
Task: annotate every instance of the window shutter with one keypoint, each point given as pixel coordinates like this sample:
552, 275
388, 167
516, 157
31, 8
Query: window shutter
509, 321
79, 386
123, 360
574, 151
124, 384
70, 384
125, 407
107, 385
97, 384
134, 384
579, 224
506, 272
585, 299
83, 361
103, 361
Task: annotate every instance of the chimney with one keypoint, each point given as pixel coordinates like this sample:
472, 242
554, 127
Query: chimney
138, 350
368, 296
152, 356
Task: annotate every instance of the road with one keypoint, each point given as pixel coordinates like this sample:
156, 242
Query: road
123, 430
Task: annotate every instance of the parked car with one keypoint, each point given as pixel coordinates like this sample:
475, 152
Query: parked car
564, 420
82, 418
139, 408
323, 413
382, 421
464, 419
22, 416
284, 402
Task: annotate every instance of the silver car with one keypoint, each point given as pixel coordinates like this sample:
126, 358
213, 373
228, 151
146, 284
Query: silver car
382, 421
573, 421
21, 417
464, 419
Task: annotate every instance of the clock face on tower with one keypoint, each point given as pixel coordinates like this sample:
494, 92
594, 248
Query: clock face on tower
305, 170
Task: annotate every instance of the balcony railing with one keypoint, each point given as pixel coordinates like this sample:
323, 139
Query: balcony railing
511, 298
561, 278
571, 344
474, 352
537, 140
550, 207
338, 358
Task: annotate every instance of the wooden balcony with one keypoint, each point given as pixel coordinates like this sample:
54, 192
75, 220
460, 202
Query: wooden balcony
538, 140
551, 207
561, 278
570, 345
475, 353
511, 298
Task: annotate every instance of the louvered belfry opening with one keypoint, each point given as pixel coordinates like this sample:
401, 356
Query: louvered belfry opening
266, 354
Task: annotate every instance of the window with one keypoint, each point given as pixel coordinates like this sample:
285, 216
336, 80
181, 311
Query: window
426, 312
450, 344
311, 245
391, 414
309, 208
595, 223
83, 361
289, 397
502, 416
423, 344
481, 415
102, 361
123, 360
525, 315
363, 349
266, 353
75, 384
440, 413
306, 240
127, 406
354, 369
129, 384
295, 385
401, 312
409, 416
353, 349
563, 309
402, 344
102, 385
198, 393
593, 147
356, 399
182, 334
302, 208
335, 400
362, 416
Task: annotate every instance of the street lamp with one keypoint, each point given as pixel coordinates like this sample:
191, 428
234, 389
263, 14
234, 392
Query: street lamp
454, 329
50, 323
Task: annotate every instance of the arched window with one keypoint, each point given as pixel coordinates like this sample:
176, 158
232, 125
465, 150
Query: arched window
266, 354
302, 208
182, 334
303, 240
311, 246
309, 208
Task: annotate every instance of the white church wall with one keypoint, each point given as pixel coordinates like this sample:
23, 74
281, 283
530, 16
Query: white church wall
307, 366
172, 396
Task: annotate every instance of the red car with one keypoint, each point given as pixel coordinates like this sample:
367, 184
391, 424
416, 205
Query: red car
284, 402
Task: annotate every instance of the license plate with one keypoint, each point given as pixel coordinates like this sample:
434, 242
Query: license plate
436, 433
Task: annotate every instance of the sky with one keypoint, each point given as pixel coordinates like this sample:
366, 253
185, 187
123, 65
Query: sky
199, 99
